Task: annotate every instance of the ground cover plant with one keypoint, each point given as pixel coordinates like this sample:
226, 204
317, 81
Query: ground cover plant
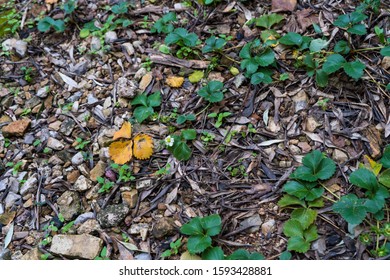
228, 130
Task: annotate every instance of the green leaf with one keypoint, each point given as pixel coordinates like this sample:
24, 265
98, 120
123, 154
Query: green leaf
140, 100
245, 52
212, 224
59, 25
242, 254
305, 216
285, 256
213, 253
351, 208
298, 244
288, 200
311, 233
181, 151
84, 33
189, 134
354, 69
385, 160
190, 40
212, 92
141, 113
45, 24
291, 39
304, 173
316, 166
384, 178
198, 243
154, 99
319, 202
356, 17
171, 38
377, 201
296, 189
69, 7
342, 21
364, 179
321, 78
293, 228
333, 63
326, 169
193, 227
342, 47
385, 51
357, 29
260, 77
318, 44
266, 58
120, 8
267, 21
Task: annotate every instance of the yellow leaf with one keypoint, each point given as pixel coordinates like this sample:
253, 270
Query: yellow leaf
375, 166
143, 146
196, 76
124, 132
174, 81
234, 71
121, 151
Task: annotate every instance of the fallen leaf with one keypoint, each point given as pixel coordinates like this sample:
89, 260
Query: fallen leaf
284, 5
306, 18
124, 132
145, 81
174, 81
196, 76
143, 146
7, 217
187, 256
121, 151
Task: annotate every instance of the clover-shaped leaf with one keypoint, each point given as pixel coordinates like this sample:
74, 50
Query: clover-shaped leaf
351, 208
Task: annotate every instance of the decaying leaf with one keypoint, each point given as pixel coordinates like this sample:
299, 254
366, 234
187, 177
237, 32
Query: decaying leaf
124, 132
284, 5
143, 146
174, 81
121, 151
196, 76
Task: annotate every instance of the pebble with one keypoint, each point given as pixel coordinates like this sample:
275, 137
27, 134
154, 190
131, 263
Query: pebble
126, 88
16, 128
54, 144
82, 184
89, 226
254, 221
110, 37
112, 215
95, 44
19, 46
128, 47
32, 254
130, 197
84, 217
83, 246
163, 227
301, 101
69, 204
78, 159
97, 171
43, 92
339, 156
30, 185
11, 199
268, 227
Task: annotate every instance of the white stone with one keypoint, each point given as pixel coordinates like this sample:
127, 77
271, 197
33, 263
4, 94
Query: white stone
54, 144
78, 158
82, 184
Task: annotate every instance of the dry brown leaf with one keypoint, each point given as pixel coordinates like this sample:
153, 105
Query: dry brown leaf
124, 132
121, 151
143, 146
174, 81
284, 5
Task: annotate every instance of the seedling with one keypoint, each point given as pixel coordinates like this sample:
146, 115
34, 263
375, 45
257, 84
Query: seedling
27, 73
103, 255
81, 143
207, 137
352, 23
105, 185
220, 117
164, 170
212, 92
146, 103
164, 24
185, 40
58, 25
177, 144
174, 249
15, 167
184, 118
213, 44
124, 172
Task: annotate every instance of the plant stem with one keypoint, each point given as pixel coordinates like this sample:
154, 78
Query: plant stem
205, 108
332, 200
326, 188
366, 49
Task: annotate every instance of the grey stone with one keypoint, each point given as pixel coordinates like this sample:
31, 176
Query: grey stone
268, 227
253, 223
138, 228
32, 254
89, 226
143, 184
28, 139
74, 97
29, 185
128, 47
91, 99
126, 88
143, 257
54, 144
339, 156
3, 184
82, 246
95, 44
32, 102
13, 184
78, 158
19, 46
110, 37
67, 126
112, 215
301, 101
69, 204
84, 217
43, 92
80, 68
82, 184
11, 199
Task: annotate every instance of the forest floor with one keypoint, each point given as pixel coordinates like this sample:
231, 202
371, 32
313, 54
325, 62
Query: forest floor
217, 104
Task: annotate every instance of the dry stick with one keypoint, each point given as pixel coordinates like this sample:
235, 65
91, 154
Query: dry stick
377, 83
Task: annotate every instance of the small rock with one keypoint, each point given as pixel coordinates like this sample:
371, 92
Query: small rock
55, 125
80, 68
301, 101
91, 99
339, 156
163, 227
83, 246
254, 221
89, 226
54, 144
130, 197
128, 47
67, 126
32, 254
43, 92
3, 184
143, 256
97, 171
126, 88
55, 160
145, 81
69, 204
268, 227
386, 62
112, 215
32, 102
140, 73
19, 46
311, 124
95, 44
84, 217
110, 37
82, 184
78, 158
305, 147
11, 199
16, 128
73, 176
28, 139
143, 184
137, 228
29, 185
